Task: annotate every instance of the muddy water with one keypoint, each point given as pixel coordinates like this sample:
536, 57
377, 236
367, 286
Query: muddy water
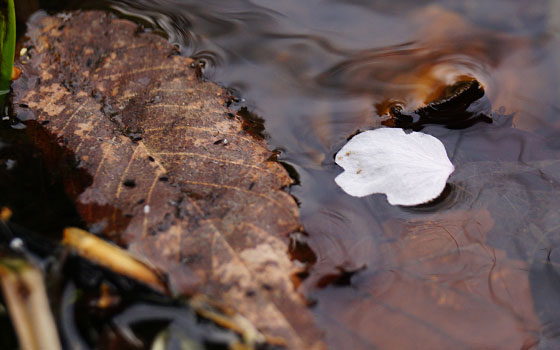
478, 268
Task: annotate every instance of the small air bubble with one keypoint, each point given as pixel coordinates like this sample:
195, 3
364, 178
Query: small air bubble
10, 164
16, 244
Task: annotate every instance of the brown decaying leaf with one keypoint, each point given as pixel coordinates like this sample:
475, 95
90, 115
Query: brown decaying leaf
439, 287
153, 170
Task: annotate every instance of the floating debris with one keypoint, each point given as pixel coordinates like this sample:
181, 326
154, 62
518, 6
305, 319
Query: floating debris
26, 298
112, 257
410, 169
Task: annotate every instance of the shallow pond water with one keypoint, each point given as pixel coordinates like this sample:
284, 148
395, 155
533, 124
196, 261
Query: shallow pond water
477, 268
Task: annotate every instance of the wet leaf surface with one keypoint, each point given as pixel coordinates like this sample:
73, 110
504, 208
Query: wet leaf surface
135, 133
523, 200
440, 285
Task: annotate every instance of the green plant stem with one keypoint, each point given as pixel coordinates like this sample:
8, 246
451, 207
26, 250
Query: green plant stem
7, 43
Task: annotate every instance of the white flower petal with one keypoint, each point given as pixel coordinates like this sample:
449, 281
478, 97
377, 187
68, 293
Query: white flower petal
410, 169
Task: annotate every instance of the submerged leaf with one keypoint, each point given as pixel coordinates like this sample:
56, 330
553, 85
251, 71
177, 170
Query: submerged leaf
437, 284
410, 169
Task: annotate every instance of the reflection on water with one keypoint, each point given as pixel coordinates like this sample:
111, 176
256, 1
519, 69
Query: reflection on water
464, 273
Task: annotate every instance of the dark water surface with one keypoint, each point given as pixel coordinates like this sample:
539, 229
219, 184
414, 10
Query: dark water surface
478, 268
